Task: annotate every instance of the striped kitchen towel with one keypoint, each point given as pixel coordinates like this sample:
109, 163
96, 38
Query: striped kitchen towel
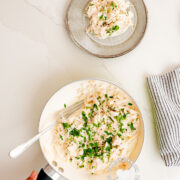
165, 92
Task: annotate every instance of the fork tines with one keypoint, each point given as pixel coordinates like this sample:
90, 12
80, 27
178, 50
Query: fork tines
71, 109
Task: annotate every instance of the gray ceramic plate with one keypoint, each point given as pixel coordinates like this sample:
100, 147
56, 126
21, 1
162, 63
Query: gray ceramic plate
77, 22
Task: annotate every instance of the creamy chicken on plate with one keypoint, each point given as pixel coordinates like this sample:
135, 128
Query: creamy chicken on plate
103, 130
108, 17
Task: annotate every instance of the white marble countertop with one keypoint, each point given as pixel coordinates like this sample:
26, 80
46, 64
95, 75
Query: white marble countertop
37, 57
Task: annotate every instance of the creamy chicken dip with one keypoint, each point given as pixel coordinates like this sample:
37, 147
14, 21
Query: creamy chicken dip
103, 130
109, 17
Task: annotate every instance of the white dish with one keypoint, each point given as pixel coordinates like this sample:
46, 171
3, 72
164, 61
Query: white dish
77, 22
66, 95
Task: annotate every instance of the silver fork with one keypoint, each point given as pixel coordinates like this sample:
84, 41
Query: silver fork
65, 113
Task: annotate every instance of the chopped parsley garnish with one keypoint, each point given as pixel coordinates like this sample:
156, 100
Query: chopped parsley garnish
99, 97
132, 127
109, 140
108, 133
88, 133
109, 31
65, 125
83, 113
108, 148
60, 137
124, 116
108, 126
99, 124
82, 146
75, 132
91, 152
94, 144
84, 138
112, 4
101, 16
90, 115
122, 130
102, 137
91, 5
84, 118
130, 104
95, 106
115, 28
94, 124
111, 118
119, 134
64, 105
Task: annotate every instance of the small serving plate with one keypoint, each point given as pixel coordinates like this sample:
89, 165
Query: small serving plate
77, 22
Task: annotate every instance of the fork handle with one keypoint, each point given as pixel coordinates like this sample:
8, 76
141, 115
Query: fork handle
23, 147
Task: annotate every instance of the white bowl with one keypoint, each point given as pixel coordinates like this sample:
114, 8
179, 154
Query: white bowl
65, 95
